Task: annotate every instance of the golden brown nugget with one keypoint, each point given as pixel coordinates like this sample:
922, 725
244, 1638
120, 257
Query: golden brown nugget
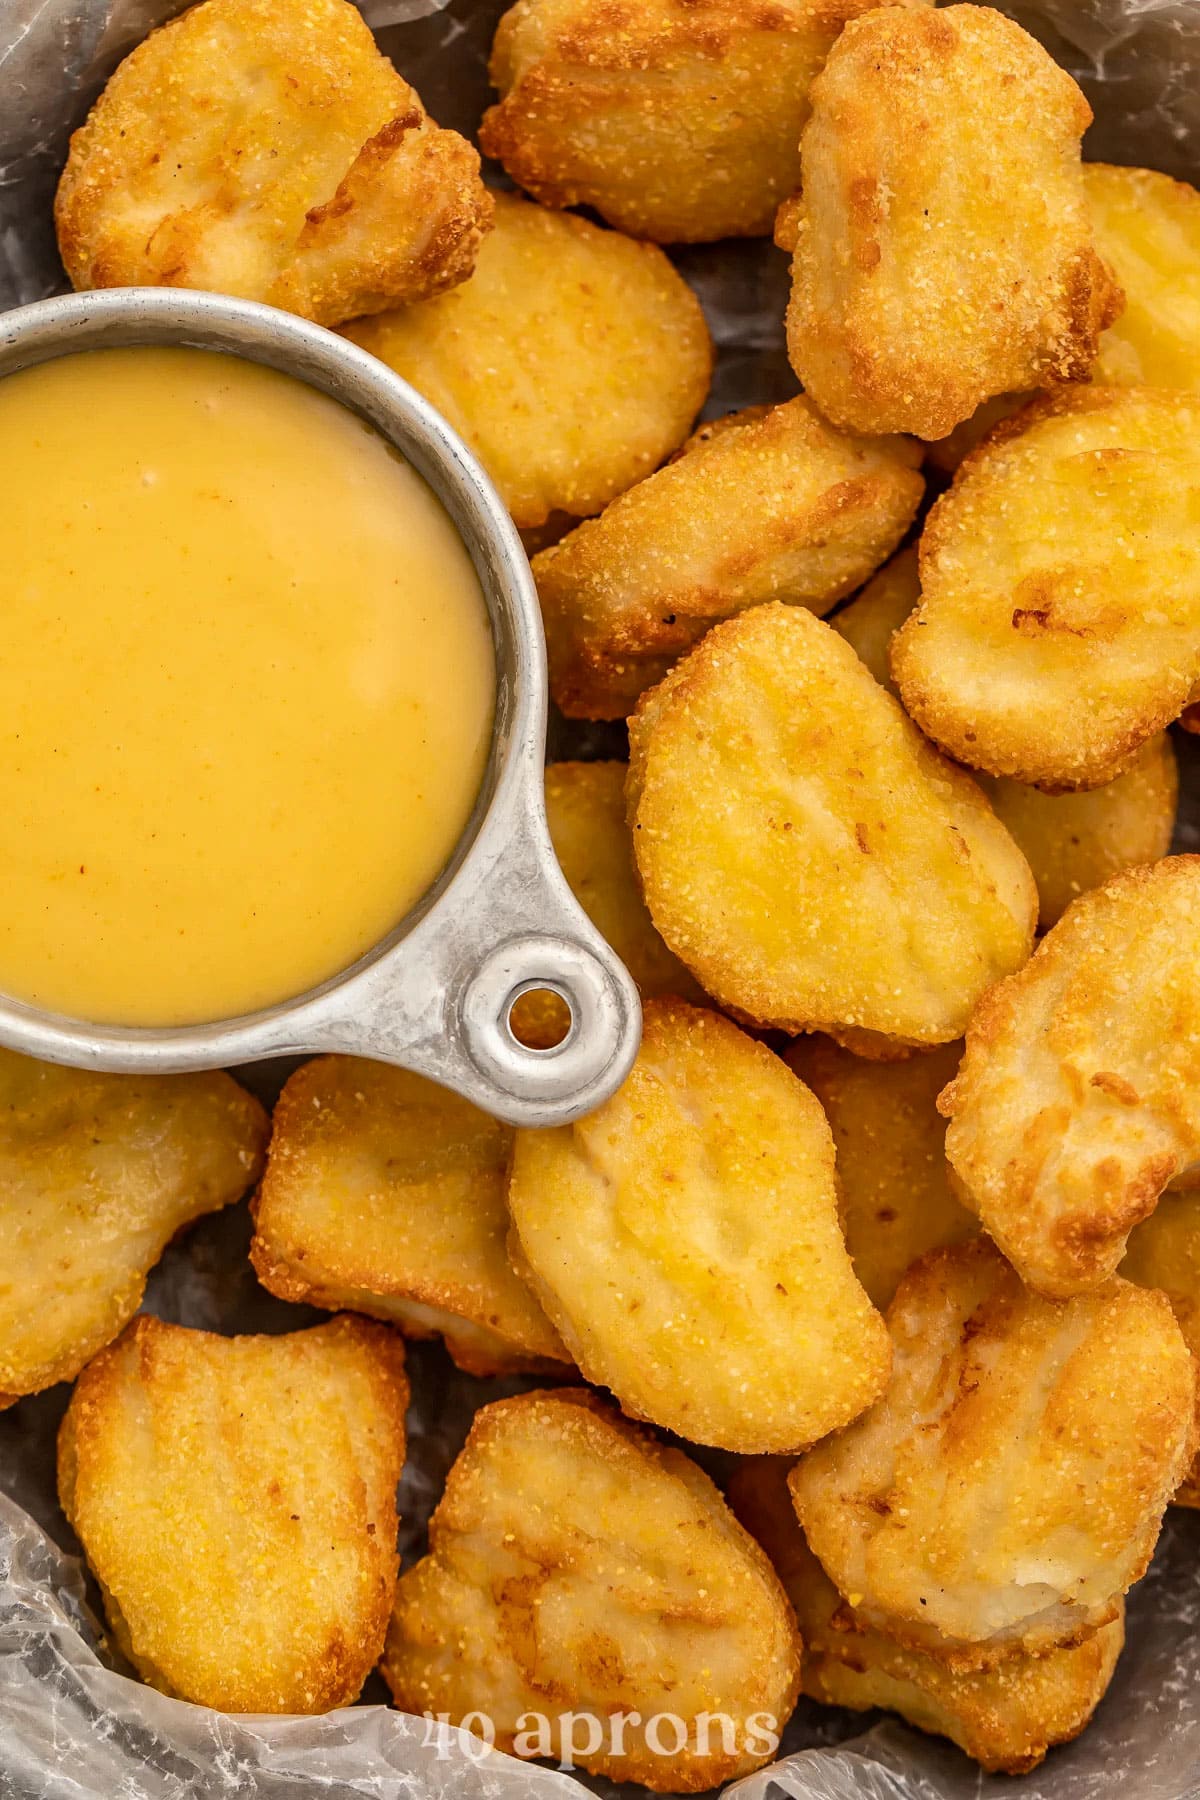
236, 1501
97, 1174
572, 362
581, 1571
1006, 1718
1076, 842
1148, 229
1059, 624
1072, 842
897, 1201
266, 148
678, 120
384, 1193
1078, 1098
1010, 1485
1164, 1252
767, 504
814, 862
585, 809
684, 1240
943, 241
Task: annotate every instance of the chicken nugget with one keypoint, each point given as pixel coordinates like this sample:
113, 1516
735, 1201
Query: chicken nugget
944, 242
1164, 1253
897, 1200
1072, 842
585, 809
236, 1501
588, 1592
97, 1174
678, 120
684, 1239
767, 504
1148, 229
572, 362
1005, 1718
267, 149
1075, 842
1059, 624
814, 862
384, 1193
1078, 1098
1010, 1485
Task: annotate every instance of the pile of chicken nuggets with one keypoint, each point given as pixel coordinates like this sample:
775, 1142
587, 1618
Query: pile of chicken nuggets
860, 1324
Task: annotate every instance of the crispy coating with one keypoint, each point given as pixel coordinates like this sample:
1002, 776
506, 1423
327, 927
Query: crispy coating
950, 452
684, 1239
1010, 1485
897, 1201
1059, 625
1072, 842
812, 859
678, 120
97, 1174
236, 1500
577, 1566
943, 241
1075, 842
572, 362
384, 1193
1148, 229
766, 504
585, 809
1164, 1252
266, 148
1078, 1098
1006, 1718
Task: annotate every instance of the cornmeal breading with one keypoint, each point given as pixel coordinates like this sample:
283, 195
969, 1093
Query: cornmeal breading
97, 1174
236, 1500
267, 149
578, 1568
1009, 1486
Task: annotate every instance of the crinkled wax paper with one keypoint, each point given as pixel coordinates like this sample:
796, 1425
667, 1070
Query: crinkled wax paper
73, 1724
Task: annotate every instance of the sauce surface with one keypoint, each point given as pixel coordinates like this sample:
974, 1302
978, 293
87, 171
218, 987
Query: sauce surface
246, 686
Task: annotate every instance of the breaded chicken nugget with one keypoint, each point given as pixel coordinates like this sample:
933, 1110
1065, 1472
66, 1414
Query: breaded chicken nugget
1059, 625
1072, 842
684, 1239
97, 1174
1078, 1098
236, 1500
572, 362
944, 243
767, 504
265, 148
1164, 1252
950, 452
1147, 228
1009, 1486
1006, 1718
385, 1193
1075, 842
809, 856
897, 1201
581, 1573
678, 120
585, 809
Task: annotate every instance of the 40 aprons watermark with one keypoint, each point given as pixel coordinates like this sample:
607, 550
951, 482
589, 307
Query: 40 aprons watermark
574, 1739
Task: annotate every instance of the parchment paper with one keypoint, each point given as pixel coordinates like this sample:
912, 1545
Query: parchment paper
73, 1724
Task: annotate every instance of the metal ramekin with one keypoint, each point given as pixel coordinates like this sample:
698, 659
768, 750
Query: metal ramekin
434, 994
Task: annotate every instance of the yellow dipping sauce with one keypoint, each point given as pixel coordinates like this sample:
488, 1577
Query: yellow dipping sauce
246, 686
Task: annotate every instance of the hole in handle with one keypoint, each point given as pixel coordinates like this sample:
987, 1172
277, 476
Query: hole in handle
540, 1018
550, 1081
